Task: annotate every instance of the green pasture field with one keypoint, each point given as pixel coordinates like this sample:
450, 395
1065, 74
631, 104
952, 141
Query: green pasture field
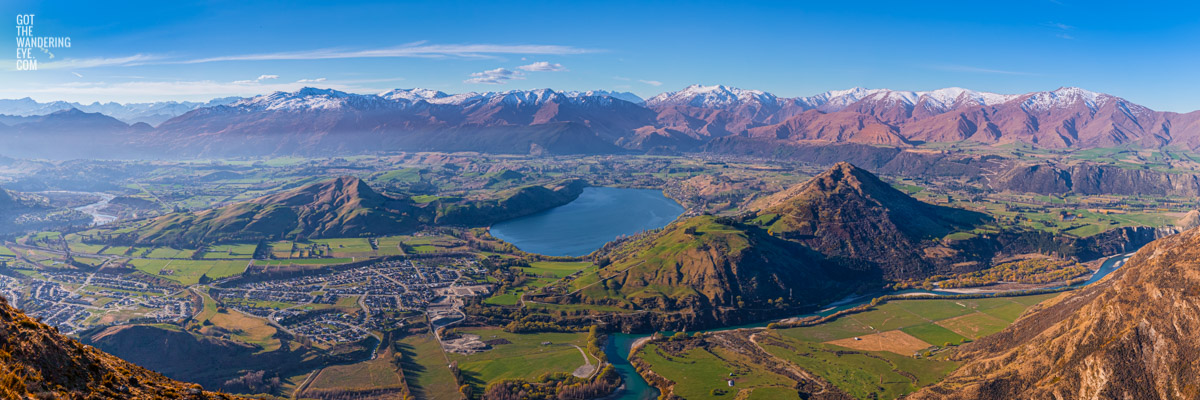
188, 272
702, 371
525, 357
302, 261
862, 373
231, 251
425, 368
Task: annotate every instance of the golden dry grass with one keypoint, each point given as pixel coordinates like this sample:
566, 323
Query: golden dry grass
894, 341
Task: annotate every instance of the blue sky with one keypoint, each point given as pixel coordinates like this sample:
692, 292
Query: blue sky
147, 51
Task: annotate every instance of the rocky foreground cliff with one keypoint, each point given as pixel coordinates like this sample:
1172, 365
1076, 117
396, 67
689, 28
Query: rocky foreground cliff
38, 362
1135, 335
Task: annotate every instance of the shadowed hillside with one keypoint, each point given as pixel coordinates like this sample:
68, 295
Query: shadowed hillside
217, 362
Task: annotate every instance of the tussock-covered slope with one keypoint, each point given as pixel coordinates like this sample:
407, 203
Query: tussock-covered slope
1135, 335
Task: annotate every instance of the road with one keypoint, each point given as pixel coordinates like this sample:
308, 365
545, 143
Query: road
587, 369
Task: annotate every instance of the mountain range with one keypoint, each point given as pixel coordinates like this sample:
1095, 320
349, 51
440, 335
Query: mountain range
326, 121
130, 113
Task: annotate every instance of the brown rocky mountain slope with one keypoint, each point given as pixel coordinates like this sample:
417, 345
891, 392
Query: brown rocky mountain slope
38, 362
847, 212
1135, 335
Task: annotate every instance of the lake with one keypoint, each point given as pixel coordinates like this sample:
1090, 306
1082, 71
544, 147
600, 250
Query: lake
598, 216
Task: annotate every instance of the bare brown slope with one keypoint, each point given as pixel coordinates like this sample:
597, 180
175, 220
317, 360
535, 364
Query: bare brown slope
1134, 336
37, 362
847, 212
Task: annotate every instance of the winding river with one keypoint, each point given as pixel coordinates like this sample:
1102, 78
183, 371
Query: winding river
602, 214
93, 209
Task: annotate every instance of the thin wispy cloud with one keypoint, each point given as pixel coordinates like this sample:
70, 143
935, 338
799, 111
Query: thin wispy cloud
414, 50
543, 66
311, 80
651, 83
1059, 25
979, 70
411, 50
80, 63
1061, 28
495, 76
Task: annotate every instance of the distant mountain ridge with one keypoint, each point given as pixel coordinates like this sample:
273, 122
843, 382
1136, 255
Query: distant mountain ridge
150, 113
544, 121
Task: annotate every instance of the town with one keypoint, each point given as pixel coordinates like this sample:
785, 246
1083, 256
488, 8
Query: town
330, 306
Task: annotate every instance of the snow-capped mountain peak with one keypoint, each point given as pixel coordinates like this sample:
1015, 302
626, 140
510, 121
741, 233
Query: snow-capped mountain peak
630, 97
414, 94
309, 98
1064, 97
712, 96
835, 100
939, 100
527, 97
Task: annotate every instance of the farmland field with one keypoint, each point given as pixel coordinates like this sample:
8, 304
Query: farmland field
863, 372
188, 272
702, 372
524, 357
425, 368
878, 351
